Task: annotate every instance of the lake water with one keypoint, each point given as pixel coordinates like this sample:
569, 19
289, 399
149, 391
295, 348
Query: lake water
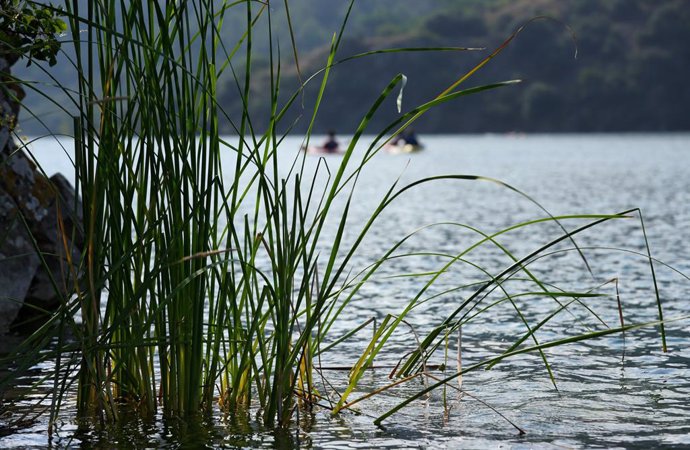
612, 392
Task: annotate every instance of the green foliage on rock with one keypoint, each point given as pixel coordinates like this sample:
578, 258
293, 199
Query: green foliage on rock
29, 29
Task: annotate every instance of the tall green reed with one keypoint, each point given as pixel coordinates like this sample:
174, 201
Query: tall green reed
148, 171
204, 285
167, 288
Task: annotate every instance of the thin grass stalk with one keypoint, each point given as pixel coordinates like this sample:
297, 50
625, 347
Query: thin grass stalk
487, 361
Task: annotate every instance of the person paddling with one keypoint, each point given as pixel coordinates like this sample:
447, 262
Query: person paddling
411, 138
331, 145
406, 142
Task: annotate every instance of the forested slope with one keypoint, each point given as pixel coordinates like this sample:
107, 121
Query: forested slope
630, 74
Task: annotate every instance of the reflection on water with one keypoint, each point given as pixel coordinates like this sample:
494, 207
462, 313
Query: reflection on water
614, 392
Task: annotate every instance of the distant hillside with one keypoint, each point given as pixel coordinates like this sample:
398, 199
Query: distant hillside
630, 73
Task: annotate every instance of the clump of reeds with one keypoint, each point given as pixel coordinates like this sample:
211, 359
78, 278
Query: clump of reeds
202, 286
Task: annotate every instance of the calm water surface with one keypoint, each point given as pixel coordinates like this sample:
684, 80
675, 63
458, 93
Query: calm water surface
612, 392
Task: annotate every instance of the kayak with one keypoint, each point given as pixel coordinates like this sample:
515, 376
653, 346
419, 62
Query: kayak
407, 148
317, 150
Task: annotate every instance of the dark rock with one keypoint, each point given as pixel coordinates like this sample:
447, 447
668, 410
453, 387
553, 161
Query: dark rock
43, 226
60, 239
40, 227
18, 261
